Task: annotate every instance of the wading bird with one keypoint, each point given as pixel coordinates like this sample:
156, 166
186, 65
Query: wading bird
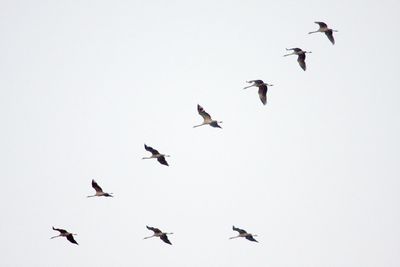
65, 233
156, 155
243, 233
158, 233
324, 28
262, 89
99, 191
301, 56
207, 118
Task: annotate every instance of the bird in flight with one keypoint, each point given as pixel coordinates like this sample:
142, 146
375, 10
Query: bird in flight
301, 56
262, 89
243, 233
158, 233
207, 118
324, 28
99, 191
156, 155
65, 233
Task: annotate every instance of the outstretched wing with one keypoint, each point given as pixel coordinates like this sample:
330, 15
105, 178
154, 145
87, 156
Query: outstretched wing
296, 49
62, 231
155, 230
257, 82
96, 186
162, 160
329, 34
151, 150
71, 239
251, 238
164, 238
241, 231
321, 24
262, 93
301, 59
203, 113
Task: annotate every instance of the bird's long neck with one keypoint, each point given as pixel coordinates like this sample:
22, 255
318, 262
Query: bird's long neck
55, 236
91, 196
146, 158
234, 237
147, 237
313, 32
289, 54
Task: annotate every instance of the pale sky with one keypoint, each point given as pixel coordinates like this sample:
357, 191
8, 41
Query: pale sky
314, 173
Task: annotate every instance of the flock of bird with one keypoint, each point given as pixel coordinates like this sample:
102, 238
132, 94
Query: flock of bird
207, 120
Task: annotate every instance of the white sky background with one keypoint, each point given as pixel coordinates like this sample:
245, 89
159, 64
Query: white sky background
315, 173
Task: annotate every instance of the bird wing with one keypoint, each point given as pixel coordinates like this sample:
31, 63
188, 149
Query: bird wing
71, 239
203, 113
262, 92
301, 59
96, 186
151, 150
155, 230
164, 238
296, 49
241, 231
62, 231
329, 34
251, 238
256, 81
321, 24
162, 160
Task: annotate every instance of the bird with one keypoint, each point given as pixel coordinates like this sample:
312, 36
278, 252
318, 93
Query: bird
324, 28
207, 118
65, 233
158, 233
156, 155
301, 56
262, 89
243, 233
99, 191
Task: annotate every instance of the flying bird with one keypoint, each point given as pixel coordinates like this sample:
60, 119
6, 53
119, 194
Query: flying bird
158, 233
99, 191
65, 233
324, 28
207, 118
301, 56
156, 155
262, 89
243, 233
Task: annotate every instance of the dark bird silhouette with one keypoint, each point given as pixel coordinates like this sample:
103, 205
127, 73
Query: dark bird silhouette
65, 233
262, 89
156, 155
243, 233
207, 118
99, 191
324, 28
301, 56
158, 233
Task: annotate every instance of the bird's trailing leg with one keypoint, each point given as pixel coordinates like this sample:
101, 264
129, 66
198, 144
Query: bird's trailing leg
199, 125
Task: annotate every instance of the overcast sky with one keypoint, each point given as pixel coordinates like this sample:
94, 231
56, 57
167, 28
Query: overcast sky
314, 173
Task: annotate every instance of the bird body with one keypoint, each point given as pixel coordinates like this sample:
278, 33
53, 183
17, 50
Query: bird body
158, 233
207, 120
156, 155
301, 56
99, 191
243, 233
262, 89
325, 29
66, 234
